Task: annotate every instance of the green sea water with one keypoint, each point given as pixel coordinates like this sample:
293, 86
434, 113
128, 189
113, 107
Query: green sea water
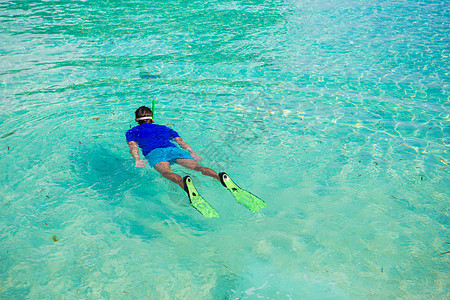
336, 113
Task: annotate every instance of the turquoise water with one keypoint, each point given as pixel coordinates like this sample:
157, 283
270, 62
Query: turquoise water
336, 113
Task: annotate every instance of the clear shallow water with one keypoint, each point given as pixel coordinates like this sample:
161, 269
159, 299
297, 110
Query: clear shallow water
334, 112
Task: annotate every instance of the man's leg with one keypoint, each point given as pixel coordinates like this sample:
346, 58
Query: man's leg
164, 169
194, 165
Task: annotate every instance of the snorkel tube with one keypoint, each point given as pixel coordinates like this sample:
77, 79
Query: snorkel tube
153, 109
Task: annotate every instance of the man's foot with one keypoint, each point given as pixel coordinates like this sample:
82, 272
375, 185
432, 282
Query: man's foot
197, 201
242, 196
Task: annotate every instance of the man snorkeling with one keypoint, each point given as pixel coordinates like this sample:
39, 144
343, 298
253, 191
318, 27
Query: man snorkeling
157, 147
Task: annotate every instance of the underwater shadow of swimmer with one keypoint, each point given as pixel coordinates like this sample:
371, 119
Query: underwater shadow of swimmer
103, 171
111, 175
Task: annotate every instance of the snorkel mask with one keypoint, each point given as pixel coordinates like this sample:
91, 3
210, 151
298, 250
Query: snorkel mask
143, 113
144, 118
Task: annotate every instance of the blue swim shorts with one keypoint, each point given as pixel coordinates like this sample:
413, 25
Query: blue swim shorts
170, 154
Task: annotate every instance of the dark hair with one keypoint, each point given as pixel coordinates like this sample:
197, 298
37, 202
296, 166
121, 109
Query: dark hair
144, 111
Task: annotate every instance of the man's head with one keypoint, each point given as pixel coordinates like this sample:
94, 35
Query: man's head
144, 115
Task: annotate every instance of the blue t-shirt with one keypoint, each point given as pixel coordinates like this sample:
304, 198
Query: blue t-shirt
151, 136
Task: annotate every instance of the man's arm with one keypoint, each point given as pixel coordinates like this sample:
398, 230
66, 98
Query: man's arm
186, 147
183, 144
134, 151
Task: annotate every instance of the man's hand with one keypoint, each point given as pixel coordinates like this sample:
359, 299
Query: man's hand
186, 147
195, 156
140, 163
